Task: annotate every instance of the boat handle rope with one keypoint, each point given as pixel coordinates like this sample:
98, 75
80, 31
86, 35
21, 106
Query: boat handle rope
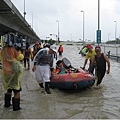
75, 85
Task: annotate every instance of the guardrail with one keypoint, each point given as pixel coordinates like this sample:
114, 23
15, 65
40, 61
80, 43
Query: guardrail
114, 50
113, 56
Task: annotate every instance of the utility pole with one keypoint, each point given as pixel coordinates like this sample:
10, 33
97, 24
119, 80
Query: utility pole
24, 10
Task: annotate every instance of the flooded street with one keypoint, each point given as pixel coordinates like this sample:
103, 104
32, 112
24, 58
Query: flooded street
86, 104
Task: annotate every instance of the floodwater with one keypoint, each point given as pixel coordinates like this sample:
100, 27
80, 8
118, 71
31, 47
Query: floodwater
103, 103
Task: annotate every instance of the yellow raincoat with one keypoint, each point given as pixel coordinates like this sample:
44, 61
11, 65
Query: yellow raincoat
11, 68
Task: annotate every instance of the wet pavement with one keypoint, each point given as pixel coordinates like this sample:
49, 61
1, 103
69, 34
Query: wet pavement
91, 103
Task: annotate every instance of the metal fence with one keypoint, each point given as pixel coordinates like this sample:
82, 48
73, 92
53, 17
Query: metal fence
114, 50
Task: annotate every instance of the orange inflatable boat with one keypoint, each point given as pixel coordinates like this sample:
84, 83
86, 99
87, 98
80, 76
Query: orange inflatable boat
77, 79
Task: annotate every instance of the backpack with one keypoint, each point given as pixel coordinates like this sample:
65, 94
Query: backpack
27, 53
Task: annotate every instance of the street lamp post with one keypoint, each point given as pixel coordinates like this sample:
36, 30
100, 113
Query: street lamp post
24, 10
83, 25
115, 31
98, 14
32, 20
98, 31
58, 31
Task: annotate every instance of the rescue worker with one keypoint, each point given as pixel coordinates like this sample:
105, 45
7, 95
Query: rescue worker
11, 72
43, 62
84, 51
100, 59
60, 49
90, 55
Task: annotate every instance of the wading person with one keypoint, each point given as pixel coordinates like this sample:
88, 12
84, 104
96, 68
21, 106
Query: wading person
11, 73
36, 48
90, 56
100, 59
60, 49
28, 54
43, 62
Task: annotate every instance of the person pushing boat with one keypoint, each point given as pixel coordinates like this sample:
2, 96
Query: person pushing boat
100, 59
90, 55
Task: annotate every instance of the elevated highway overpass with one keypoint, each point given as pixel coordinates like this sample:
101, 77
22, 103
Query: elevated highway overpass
11, 20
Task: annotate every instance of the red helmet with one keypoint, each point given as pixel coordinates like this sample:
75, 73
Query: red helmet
89, 46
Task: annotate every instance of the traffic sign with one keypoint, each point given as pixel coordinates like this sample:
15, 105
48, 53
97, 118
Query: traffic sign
98, 36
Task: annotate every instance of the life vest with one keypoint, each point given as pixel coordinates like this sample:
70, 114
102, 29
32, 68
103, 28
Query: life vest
60, 71
60, 49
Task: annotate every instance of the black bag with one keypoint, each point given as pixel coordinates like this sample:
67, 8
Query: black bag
66, 63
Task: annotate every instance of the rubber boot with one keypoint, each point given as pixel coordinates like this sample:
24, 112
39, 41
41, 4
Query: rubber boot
7, 100
24, 65
47, 88
16, 104
41, 85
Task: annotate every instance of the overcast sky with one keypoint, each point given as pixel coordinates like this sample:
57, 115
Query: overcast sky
68, 13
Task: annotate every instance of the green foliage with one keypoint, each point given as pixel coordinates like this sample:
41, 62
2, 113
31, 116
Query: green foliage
51, 41
117, 41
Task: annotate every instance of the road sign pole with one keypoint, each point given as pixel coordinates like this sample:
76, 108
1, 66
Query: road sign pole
98, 36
